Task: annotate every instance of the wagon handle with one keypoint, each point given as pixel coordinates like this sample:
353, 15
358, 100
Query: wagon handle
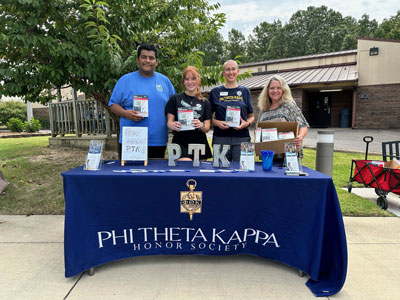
367, 139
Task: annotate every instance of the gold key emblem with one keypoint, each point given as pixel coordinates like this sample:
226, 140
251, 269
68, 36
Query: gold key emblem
190, 200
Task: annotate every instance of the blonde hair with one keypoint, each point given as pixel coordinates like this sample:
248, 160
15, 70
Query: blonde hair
264, 102
195, 72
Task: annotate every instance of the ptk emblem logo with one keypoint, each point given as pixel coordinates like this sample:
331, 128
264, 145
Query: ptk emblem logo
190, 200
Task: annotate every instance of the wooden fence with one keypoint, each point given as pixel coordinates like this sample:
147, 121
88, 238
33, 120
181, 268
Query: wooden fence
80, 117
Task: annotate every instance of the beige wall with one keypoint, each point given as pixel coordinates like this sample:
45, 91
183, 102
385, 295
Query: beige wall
383, 68
307, 63
323, 61
252, 69
66, 94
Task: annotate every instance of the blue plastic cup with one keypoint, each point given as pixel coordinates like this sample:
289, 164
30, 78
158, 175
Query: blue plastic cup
267, 157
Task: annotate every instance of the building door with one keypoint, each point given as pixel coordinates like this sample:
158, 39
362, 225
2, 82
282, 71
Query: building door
320, 110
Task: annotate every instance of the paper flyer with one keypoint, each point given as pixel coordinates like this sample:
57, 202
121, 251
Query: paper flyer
247, 161
269, 134
141, 105
185, 117
233, 116
93, 158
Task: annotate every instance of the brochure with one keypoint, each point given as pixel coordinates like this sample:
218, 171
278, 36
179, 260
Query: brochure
292, 162
269, 134
258, 135
185, 117
93, 158
141, 105
233, 116
285, 135
247, 157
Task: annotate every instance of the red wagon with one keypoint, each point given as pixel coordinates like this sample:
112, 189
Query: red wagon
374, 174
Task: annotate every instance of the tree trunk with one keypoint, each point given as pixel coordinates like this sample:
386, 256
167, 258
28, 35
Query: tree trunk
102, 99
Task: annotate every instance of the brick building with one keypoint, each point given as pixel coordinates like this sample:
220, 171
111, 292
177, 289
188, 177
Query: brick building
354, 88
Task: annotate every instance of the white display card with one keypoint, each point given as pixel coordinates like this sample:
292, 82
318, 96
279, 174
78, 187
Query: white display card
134, 143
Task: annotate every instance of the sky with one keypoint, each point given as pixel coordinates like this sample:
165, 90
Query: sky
244, 15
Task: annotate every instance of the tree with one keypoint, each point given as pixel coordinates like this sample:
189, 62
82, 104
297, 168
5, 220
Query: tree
213, 50
389, 28
236, 45
366, 27
89, 44
267, 41
314, 31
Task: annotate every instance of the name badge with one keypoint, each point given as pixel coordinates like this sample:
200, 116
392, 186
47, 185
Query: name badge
222, 94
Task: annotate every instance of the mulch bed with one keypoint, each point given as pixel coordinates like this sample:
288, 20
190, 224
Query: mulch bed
5, 134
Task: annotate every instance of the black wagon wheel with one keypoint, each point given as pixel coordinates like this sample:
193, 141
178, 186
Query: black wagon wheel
380, 192
349, 187
382, 202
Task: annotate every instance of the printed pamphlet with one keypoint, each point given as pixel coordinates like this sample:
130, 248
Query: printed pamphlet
258, 135
269, 134
292, 162
93, 159
285, 135
185, 117
247, 157
141, 105
233, 116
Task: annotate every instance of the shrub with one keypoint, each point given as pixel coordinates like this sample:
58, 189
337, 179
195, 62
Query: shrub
12, 109
32, 126
15, 125
44, 123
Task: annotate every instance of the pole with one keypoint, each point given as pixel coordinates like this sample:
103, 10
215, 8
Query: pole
324, 157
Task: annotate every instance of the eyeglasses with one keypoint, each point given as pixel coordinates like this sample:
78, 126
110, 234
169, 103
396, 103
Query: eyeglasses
230, 70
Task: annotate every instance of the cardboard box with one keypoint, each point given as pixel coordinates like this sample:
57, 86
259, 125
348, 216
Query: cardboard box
393, 164
277, 146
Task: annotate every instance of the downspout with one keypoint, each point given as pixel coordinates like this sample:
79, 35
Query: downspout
353, 114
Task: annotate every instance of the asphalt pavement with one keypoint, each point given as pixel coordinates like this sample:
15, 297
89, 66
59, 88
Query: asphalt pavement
351, 140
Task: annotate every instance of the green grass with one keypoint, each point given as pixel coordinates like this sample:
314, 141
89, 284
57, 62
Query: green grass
351, 204
33, 170
34, 173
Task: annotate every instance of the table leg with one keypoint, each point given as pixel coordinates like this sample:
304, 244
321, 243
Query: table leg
91, 271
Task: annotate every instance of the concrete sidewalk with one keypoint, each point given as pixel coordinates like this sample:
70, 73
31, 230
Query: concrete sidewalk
32, 267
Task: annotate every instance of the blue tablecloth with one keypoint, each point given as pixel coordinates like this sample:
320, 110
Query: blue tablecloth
293, 220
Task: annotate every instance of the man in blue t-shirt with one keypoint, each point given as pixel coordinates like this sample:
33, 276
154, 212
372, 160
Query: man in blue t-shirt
144, 85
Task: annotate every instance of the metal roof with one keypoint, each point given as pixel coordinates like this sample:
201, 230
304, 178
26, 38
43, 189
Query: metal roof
306, 57
344, 73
